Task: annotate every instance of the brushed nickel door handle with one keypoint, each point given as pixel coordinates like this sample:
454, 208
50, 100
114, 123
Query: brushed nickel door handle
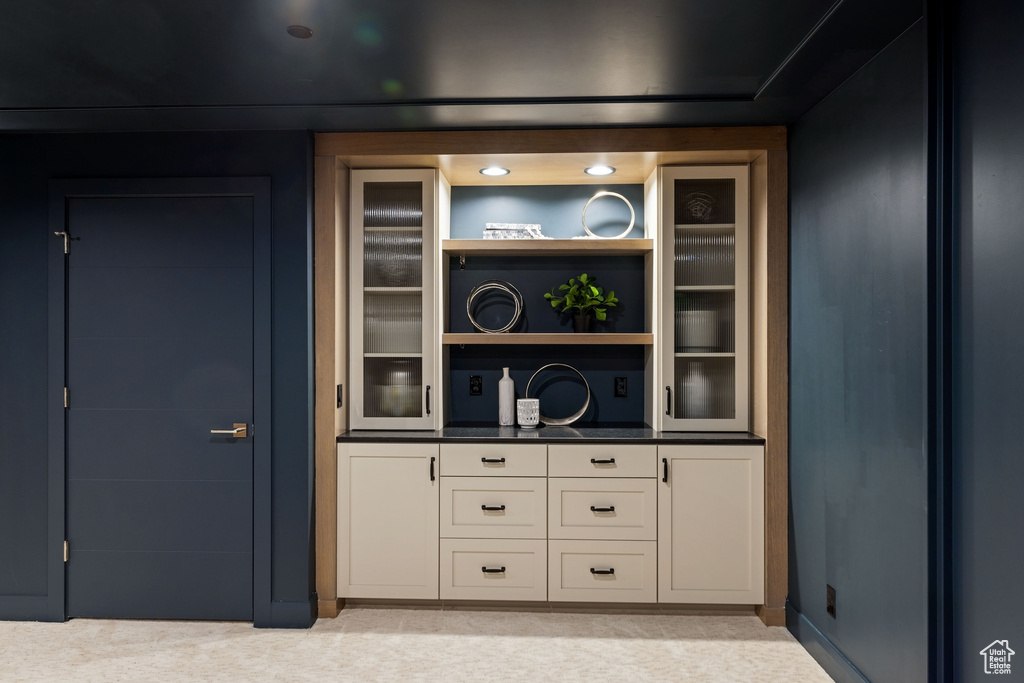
240, 431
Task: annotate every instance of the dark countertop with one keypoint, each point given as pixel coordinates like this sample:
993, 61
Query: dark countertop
572, 434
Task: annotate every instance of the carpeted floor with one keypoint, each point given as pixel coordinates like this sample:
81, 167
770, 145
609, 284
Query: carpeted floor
398, 645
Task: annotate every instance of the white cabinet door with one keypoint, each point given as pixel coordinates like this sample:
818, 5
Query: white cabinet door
388, 520
711, 524
705, 326
394, 299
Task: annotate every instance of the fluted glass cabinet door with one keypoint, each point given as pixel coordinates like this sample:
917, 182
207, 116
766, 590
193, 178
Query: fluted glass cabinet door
393, 299
705, 298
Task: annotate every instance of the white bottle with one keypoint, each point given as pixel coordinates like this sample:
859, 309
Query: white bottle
506, 400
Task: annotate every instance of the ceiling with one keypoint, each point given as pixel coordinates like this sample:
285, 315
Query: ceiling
429, 64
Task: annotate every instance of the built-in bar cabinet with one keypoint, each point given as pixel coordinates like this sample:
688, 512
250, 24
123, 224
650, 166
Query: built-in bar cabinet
427, 518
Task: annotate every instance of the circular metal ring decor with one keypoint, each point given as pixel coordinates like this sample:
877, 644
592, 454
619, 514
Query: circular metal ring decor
605, 193
563, 420
500, 286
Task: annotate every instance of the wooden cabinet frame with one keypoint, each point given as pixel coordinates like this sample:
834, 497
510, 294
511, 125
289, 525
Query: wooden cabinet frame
639, 149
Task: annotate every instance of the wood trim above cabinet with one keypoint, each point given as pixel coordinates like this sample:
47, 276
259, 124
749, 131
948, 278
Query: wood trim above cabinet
552, 141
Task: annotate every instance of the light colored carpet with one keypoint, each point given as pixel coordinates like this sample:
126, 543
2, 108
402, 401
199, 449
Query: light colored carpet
398, 645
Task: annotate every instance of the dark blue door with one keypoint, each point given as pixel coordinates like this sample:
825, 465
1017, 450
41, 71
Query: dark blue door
159, 354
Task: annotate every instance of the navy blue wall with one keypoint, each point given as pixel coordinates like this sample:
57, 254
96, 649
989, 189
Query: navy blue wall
989, 522
29, 162
858, 404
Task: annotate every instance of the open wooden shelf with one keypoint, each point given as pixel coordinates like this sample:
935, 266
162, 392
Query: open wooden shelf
604, 338
542, 247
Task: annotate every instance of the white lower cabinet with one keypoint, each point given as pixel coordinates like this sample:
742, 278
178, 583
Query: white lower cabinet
602, 523
388, 520
603, 571
615, 523
711, 524
493, 524
493, 569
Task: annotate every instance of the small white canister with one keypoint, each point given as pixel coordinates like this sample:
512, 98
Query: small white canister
528, 412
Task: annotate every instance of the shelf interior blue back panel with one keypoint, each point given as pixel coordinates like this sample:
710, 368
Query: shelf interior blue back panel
557, 208
533, 276
560, 391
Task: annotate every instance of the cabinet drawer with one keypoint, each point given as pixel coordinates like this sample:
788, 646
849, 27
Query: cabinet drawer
521, 507
522, 565
611, 509
493, 460
602, 460
602, 571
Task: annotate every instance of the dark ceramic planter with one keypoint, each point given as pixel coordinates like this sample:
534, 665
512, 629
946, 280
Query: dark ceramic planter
582, 323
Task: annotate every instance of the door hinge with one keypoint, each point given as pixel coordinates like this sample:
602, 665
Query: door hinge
67, 398
67, 551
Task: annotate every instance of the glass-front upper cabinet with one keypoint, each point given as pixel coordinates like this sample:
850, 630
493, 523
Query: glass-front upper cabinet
705, 298
393, 299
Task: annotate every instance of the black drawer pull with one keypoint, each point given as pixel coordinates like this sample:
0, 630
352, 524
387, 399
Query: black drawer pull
492, 508
602, 572
664, 476
490, 570
492, 460
610, 508
609, 461
432, 459
668, 402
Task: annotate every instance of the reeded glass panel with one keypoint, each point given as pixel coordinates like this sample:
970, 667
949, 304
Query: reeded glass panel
393, 205
705, 388
393, 257
392, 322
705, 322
705, 201
705, 256
392, 387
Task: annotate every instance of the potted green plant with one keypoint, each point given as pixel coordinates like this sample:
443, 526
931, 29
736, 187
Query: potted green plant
581, 298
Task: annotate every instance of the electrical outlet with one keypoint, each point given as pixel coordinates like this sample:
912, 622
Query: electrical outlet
830, 600
476, 385
620, 387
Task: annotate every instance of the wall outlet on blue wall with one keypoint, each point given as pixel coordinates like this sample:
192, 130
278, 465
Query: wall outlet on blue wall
620, 387
476, 385
830, 600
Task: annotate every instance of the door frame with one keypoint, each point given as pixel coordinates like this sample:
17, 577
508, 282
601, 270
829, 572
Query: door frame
259, 189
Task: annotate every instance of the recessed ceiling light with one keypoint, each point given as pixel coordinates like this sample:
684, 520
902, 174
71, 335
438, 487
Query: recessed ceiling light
599, 170
297, 31
495, 171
